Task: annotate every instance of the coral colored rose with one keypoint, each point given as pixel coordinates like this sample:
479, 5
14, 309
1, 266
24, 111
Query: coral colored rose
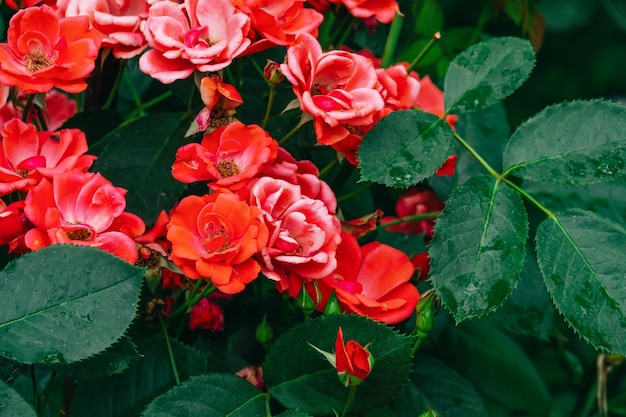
13, 222
303, 234
400, 89
215, 236
280, 21
373, 281
339, 88
227, 157
415, 202
206, 314
220, 100
383, 10
27, 155
447, 168
352, 361
118, 20
29, 3
204, 35
81, 209
44, 51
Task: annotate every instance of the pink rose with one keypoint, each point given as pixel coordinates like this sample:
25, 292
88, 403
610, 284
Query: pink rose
382, 10
204, 35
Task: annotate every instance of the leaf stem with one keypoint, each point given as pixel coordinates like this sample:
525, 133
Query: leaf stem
354, 192
412, 218
270, 103
392, 40
424, 51
349, 402
169, 351
529, 197
324, 171
116, 85
268, 397
289, 134
476, 156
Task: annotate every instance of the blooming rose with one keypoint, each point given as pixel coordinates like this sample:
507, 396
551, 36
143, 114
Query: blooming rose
281, 20
383, 10
118, 20
215, 236
82, 209
339, 88
44, 51
400, 89
220, 100
13, 224
27, 155
206, 314
227, 157
204, 35
373, 281
303, 234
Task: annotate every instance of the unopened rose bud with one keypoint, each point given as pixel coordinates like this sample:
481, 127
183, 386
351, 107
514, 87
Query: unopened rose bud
272, 73
305, 301
264, 332
353, 361
332, 305
426, 312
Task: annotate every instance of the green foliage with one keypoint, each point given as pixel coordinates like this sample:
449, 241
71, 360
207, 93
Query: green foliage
434, 384
143, 166
74, 301
300, 378
212, 395
479, 247
487, 73
126, 394
581, 256
570, 144
404, 148
12, 404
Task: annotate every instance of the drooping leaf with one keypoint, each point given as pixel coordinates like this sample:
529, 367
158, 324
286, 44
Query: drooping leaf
13, 404
528, 311
498, 369
434, 384
75, 301
212, 395
300, 378
126, 394
139, 156
479, 247
571, 143
487, 73
404, 148
581, 257
114, 360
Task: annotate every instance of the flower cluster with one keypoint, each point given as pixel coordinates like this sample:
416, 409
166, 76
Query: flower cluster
264, 212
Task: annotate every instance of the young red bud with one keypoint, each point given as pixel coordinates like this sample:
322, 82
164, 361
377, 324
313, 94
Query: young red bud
272, 73
353, 361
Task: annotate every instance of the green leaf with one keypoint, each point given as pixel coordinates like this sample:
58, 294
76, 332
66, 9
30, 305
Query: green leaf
434, 384
581, 257
96, 124
479, 247
139, 156
571, 143
126, 394
528, 311
487, 73
13, 404
300, 378
65, 303
112, 361
293, 413
495, 365
212, 395
405, 147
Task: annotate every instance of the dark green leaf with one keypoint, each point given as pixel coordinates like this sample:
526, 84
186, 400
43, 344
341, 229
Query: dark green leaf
495, 365
581, 257
300, 378
96, 124
570, 143
12, 404
74, 301
487, 73
293, 413
528, 311
404, 148
212, 395
434, 384
139, 157
126, 394
479, 247
616, 10
112, 361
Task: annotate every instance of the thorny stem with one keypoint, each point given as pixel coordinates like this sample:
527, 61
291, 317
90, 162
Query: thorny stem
270, 103
324, 171
169, 351
424, 51
116, 84
349, 402
268, 397
392, 40
27, 107
289, 134
412, 218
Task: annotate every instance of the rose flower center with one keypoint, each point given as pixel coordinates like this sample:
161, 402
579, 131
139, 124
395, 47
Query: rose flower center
80, 234
227, 168
37, 60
